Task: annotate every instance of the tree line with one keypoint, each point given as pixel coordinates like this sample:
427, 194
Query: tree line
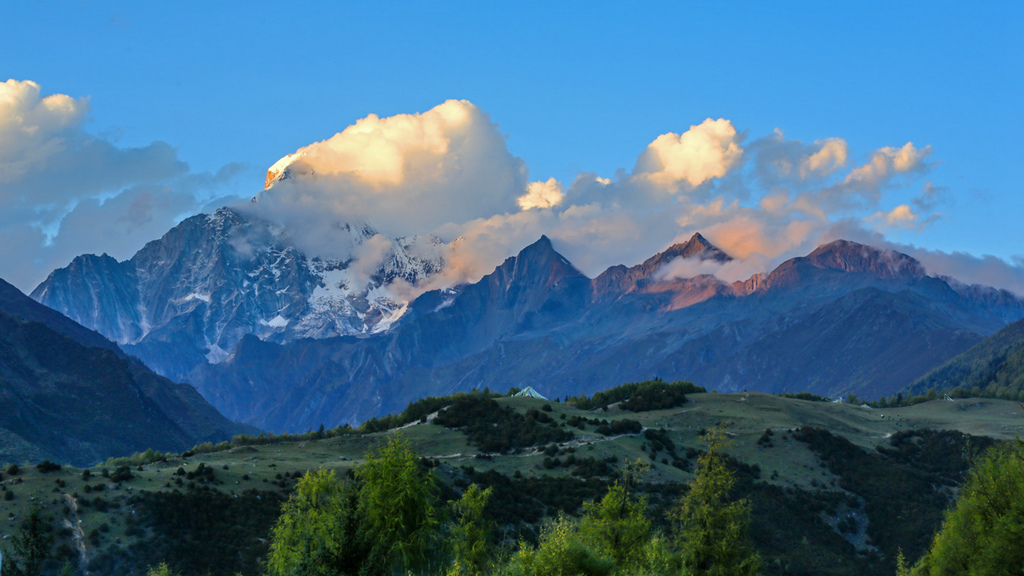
387, 518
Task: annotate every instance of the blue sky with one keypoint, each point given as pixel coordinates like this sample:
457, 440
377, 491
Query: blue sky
574, 87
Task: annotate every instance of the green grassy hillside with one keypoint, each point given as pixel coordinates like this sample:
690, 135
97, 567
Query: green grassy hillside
835, 488
994, 368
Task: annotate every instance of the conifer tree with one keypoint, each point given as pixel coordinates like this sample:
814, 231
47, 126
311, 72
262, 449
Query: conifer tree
710, 529
32, 544
470, 536
618, 526
398, 508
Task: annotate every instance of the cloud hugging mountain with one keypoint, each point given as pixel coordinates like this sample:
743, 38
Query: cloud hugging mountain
380, 258
287, 342
448, 172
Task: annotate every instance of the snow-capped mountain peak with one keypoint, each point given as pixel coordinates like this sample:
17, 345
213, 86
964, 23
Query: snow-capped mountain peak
215, 278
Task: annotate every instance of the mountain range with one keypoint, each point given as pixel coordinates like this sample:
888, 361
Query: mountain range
188, 298
285, 341
70, 395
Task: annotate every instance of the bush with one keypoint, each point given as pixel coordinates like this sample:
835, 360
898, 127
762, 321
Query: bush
46, 467
639, 396
121, 474
619, 427
493, 428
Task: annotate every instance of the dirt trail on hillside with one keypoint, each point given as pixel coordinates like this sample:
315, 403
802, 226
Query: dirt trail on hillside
74, 524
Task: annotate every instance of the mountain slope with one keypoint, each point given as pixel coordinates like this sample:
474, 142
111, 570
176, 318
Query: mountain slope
851, 485
190, 296
846, 319
65, 398
288, 341
995, 366
13, 302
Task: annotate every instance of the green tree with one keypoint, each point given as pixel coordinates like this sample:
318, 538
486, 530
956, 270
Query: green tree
617, 526
161, 570
318, 530
32, 543
710, 529
560, 552
984, 534
470, 536
398, 508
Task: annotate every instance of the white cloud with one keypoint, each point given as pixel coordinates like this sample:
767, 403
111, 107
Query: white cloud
65, 191
774, 200
542, 195
34, 128
448, 171
705, 151
901, 216
888, 161
831, 156
387, 152
403, 174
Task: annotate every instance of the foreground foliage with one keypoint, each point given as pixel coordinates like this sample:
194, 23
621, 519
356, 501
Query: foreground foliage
383, 521
387, 519
849, 515
711, 530
984, 534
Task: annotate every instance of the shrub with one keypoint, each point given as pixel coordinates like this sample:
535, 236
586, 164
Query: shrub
46, 467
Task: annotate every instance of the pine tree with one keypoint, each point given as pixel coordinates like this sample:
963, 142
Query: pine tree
32, 543
398, 508
617, 526
470, 537
710, 529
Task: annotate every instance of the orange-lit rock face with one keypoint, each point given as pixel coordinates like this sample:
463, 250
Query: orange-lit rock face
271, 176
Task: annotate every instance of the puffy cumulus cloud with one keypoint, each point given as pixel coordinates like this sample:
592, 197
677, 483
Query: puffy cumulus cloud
886, 162
542, 195
34, 128
831, 156
448, 172
777, 199
400, 173
706, 151
386, 152
901, 216
774, 200
791, 163
65, 191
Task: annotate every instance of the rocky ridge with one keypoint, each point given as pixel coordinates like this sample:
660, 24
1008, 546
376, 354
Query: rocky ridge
189, 297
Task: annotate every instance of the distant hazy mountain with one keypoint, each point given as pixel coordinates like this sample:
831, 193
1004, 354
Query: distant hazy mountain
69, 395
847, 318
994, 366
287, 341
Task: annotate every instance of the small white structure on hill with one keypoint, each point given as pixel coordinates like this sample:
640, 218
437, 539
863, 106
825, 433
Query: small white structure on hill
530, 392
